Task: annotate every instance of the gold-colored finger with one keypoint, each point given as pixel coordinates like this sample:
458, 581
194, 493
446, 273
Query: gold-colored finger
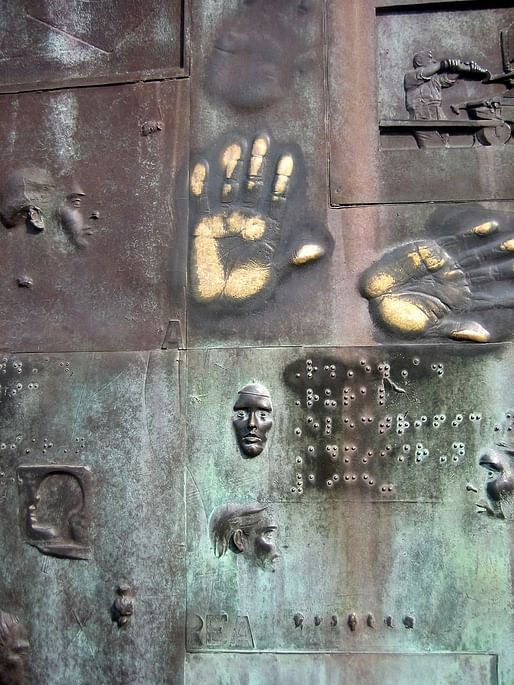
258, 154
487, 228
508, 245
230, 159
198, 179
283, 175
307, 253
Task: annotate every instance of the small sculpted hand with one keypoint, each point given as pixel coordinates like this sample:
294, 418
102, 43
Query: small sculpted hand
434, 287
238, 243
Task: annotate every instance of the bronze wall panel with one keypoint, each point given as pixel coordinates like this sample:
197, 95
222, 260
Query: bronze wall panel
106, 275
336, 669
116, 418
381, 526
53, 44
257, 76
374, 157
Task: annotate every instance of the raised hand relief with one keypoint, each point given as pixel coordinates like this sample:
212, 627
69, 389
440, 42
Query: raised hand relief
436, 287
240, 239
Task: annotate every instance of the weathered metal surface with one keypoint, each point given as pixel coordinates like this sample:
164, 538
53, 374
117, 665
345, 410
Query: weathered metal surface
91, 245
370, 63
336, 669
257, 129
338, 424
89, 446
368, 503
51, 44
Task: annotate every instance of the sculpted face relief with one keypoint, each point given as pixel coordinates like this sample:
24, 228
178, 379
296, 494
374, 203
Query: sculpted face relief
252, 418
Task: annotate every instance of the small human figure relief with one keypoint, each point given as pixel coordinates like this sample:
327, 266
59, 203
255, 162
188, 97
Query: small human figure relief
55, 505
245, 529
241, 239
30, 198
123, 608
259, 53
13, 650
437, 287
423, 91
499, 462
252, 418
489, 116
497, 110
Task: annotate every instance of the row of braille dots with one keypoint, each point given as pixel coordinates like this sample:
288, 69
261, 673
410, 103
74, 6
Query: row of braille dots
402, 424
335, 479
47, 445
311, 423
311, 397
13, 390
421, 453
311, 369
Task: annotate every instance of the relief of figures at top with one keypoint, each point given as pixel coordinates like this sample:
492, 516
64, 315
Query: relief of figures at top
258, 52
452, 285
243, 235
487, 119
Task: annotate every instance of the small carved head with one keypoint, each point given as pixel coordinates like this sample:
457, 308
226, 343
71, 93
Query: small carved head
245, 529
423, 59
13, 649
500, 465
55, 512
252, 418
27, 197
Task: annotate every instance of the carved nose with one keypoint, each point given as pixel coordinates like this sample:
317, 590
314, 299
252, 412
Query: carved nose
252, 422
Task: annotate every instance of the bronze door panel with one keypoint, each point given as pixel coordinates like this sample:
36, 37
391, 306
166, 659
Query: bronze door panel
54, 44
383, 108
90, 231
89, 466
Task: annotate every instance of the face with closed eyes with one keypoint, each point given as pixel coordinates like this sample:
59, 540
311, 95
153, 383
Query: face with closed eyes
252, 420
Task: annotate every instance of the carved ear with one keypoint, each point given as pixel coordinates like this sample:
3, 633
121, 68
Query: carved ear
239, 540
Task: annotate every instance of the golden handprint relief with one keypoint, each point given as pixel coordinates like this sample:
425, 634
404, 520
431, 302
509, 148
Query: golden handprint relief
437, 287
241, 242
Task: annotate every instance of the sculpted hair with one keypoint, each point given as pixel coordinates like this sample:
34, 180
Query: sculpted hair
7, 623
228, 518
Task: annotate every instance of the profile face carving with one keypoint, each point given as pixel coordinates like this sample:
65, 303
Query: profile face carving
29, 197
252, 418
13, 649
245, 529
499, 462
54, 510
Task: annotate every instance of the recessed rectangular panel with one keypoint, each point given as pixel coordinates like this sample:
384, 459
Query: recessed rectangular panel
337, 669
90, 227
51, 44
89, 483
258, 237
437, 82
362, 471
